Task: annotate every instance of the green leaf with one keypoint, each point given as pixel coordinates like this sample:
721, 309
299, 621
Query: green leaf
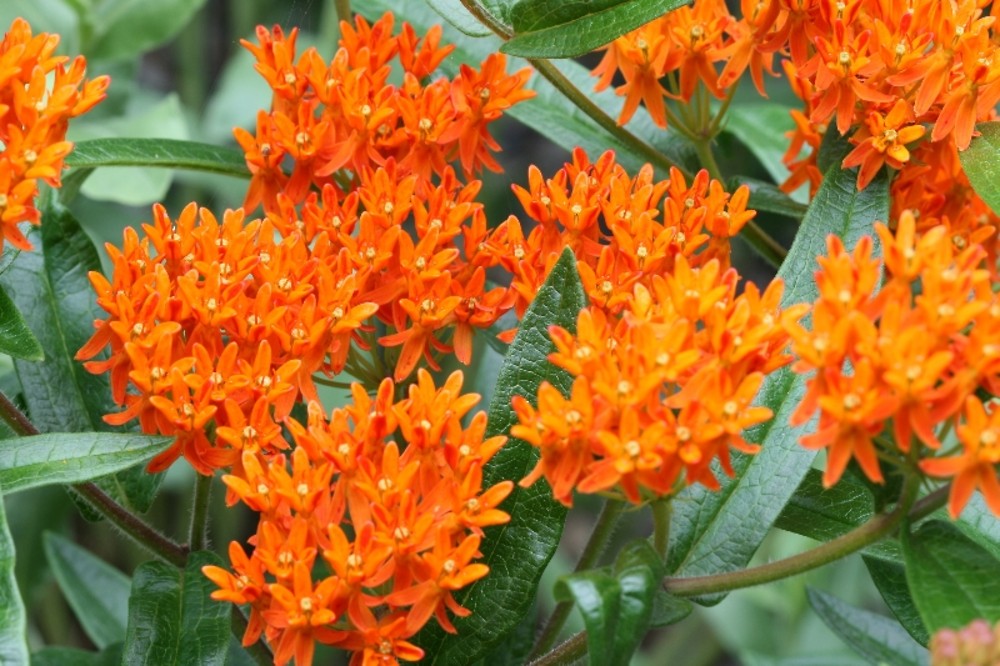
549, 113
877, 638
50, 287
980, 524
617, 603
768, 198
981, 161
761, 127
63, 656
949, 577
716, 531
518, 551
546, 29
455, 13
28, 462
172, 620
13, 621
127, 28
166, 153
826, 513
96, 591
16, 339
890, 579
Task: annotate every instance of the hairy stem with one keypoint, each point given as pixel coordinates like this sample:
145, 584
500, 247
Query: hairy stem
564, 653
198, 531
599, 538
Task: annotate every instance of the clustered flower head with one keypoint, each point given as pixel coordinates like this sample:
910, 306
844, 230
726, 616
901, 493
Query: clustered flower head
907, 81
372, 529
976, 644
39, 93
898, 360
668, 357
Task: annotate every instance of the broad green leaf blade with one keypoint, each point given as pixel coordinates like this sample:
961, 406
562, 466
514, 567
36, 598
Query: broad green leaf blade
546, 29
127, 28
826, 513
980, 524
172, 620
890, 579
13, 621
761, 127
29, 462
950, 577
550, 113
96, 591
16, 339
598, 596
61, 656
166, 153
455, 13
518, 551
719, 531
51, 288
877, 638
981, 161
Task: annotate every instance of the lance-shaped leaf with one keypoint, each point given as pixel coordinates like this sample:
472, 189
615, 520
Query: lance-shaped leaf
171, 618
761, 128
63, 656
96, 591
40, 460
518, 551
166, 153
950, 576
617, 603
125, 28
455, 13
890, 579
877, 638
13, 621
715, 531
768, 198
546, 29
16, 339
981, 161
826, 513
51, 288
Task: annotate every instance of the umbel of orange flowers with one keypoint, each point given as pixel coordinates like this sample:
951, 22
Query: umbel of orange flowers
34, 115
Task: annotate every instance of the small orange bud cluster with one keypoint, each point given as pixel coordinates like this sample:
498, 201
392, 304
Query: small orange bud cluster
372, 529
912, 353
34, 116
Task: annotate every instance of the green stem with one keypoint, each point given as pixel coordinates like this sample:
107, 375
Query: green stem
343, 10
552, 74
599, 538
858, 538
197, 534
716, 125
259, 652
564, 653
662, 510
703, 148
140, 531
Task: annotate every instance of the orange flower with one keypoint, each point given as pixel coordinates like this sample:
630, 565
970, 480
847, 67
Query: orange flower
883, 141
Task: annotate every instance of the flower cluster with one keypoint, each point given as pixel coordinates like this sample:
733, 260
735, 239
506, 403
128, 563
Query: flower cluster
654, 261
975, 644
333, 119
39, 93
388, 496
912, 352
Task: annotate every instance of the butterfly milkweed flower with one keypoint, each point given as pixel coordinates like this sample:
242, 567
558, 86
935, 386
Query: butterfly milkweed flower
39, 93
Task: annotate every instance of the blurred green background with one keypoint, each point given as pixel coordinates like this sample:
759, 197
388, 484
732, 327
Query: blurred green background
179, 72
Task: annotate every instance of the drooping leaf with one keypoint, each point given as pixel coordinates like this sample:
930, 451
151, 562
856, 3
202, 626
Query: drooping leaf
96, 591
877, 638
545, 29
455, 13
29, 462
550, 113
949, 577
166, 153
13, 621
16, 339
63, 656
172, 620
127, 28
826, 513
981, 161
715, 531
50, 287
890, 579
518, 551
598, 596
761, 127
